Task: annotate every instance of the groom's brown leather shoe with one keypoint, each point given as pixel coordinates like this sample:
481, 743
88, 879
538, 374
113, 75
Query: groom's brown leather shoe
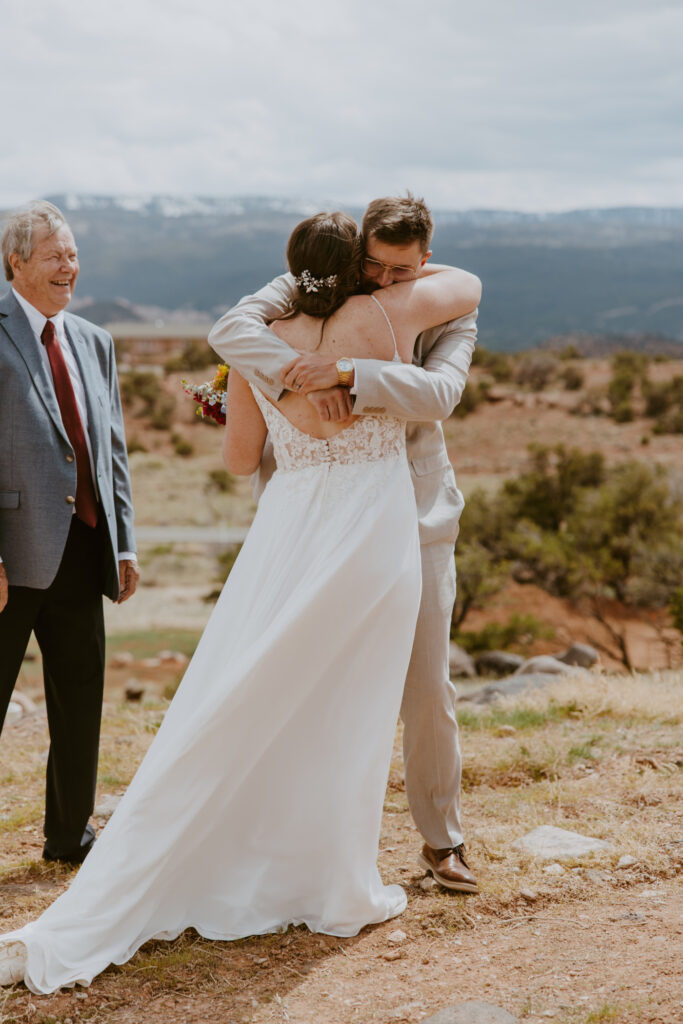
449, 868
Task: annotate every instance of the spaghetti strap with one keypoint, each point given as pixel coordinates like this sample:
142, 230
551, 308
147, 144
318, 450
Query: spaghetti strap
396, 355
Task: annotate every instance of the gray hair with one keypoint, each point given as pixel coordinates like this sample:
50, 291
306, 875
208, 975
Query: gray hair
21, 227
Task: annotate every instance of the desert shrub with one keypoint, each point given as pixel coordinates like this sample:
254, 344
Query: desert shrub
472, 397
657, 398
487, 520
225, 562
498, 364
540, 556
162, 414
546, 493
622, 412
655, 572
670, 422
142, 386
134, 444
144, 391
628, 369
616, 529
620, 388
676, 608
536, 370
221, 480
569, 352
480, 576
196, 356
518, 631
577, 529
591, 403
181, 446
572, 378
665, 402
633, 364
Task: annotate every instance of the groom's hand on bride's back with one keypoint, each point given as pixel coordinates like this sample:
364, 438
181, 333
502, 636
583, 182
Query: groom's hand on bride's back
333, 405
310, 372
317, 378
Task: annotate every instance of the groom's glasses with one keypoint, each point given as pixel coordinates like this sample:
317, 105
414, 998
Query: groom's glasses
373, 268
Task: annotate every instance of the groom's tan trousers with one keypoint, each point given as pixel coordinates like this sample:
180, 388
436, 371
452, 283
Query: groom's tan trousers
431, 747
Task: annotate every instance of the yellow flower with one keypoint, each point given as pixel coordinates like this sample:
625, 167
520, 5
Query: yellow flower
220, 381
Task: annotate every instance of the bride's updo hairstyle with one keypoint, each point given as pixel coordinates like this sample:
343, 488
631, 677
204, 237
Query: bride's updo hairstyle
324, 254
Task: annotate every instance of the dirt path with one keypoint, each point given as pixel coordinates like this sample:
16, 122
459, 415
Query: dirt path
580, 942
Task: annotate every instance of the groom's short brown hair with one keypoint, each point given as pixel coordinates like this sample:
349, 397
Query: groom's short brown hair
399, 220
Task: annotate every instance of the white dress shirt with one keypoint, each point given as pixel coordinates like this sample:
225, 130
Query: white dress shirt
37, 323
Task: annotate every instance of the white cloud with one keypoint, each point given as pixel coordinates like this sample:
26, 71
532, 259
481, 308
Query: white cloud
535, 104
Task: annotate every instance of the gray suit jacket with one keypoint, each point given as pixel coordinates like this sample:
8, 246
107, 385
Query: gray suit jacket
423, 394
35, 476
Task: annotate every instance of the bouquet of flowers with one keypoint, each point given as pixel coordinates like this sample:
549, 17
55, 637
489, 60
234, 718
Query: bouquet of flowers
210, 395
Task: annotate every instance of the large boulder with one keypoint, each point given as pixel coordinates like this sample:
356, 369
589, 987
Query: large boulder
472, 1012
460, 663
582, 655
497, 663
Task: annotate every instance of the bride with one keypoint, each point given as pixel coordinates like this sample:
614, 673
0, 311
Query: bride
259, 803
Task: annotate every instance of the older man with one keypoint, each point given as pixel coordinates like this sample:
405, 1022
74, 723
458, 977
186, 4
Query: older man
66, 515
396, 233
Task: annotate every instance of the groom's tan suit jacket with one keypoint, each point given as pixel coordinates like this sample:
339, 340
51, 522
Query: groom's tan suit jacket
423, 393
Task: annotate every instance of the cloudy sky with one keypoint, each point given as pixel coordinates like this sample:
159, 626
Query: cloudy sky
514, 104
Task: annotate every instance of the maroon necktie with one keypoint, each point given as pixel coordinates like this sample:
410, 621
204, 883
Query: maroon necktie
86, 502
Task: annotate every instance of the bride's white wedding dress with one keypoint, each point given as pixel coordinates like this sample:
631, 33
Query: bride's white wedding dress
259, 803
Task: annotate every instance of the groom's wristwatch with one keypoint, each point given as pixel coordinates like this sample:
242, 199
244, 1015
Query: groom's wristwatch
345, 370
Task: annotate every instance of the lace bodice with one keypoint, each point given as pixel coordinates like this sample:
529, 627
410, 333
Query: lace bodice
368, 439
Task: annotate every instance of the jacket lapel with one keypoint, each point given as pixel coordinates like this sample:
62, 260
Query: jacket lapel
18, 329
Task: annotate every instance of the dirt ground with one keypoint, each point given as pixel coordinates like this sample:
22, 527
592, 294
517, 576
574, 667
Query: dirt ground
582, 942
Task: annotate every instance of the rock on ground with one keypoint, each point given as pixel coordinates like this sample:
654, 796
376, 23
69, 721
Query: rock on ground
472, 1012
498, 663
582, 655
122, 660
27, 705
460, 663
544, 663
106, 806
510, 685
14, 712
550, 843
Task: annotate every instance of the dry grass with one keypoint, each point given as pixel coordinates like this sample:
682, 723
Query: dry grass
601, 757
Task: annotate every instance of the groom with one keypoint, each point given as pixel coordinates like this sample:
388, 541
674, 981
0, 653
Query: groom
396, 232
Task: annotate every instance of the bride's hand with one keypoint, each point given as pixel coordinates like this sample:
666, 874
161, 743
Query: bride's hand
310, 372
333, 405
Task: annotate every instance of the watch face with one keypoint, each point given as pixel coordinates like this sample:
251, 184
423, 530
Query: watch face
344, 365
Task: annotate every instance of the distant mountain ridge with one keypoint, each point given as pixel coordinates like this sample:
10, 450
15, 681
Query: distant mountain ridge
614, 271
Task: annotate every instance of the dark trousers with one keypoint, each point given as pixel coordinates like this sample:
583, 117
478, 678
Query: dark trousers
68, 621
